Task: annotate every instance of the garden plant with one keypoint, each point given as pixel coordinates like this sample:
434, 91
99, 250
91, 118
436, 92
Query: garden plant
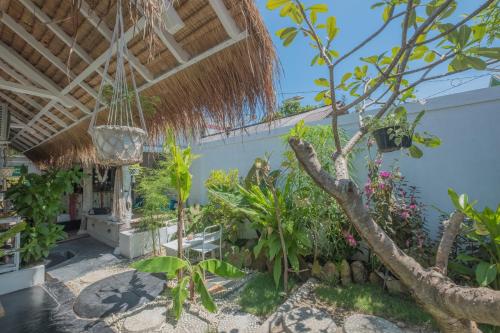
193, 279
435, 42
37, 198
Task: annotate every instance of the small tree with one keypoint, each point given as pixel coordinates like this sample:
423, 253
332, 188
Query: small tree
179, 161
432, 38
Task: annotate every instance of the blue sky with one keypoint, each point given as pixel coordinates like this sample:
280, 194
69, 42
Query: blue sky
356, 21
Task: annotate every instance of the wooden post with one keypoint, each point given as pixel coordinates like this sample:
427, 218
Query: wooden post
87, 198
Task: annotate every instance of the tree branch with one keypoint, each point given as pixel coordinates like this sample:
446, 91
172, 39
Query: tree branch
434, 290
369, 38
456, 26
451, 230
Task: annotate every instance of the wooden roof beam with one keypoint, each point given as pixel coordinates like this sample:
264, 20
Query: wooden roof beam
6, 68
45, 52
29, 71
173, 21
129, 34
23, 109
103, 29
56, 30
167, 74
166, 37
28, 90
225, 17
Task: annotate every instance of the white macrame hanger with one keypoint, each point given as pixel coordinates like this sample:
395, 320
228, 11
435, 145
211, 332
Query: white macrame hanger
120, 141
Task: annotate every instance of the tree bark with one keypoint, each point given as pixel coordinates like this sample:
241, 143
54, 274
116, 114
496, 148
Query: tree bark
450, 232
454, 308
180, 233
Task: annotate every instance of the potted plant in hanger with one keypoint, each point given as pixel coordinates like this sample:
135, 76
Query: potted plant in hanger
395, 132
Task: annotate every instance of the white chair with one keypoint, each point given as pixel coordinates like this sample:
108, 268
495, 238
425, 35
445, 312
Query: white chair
211, 241
170, 241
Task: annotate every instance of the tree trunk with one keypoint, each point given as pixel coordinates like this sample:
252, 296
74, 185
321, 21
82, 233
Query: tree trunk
282, 239
180, 233
454, 308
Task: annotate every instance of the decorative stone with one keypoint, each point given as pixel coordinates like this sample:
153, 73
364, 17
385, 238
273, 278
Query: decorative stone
394, 286
362, 253
359, 323
345, 273
330, 273
316, 270
307, 319
375, 279
147, 320
358, 272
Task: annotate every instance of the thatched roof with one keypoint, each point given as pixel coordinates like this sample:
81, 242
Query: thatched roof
219, 72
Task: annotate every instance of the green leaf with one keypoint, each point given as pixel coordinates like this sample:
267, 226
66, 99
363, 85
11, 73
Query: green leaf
322, 82
331, 27
457, 64
346, 77
430, 56
294, 260
475, 63
290, 38
180, 293
275, 4
485, 273
277, 272
167, 264
454, 198
464, 34
491, 52
221, 268
415, 152
386, 13
206, 298
322, 8
274, 248
466, 258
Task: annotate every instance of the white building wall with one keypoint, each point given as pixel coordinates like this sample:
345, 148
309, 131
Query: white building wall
468, 160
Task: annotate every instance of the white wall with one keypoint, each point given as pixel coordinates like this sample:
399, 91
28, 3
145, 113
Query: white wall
468, 160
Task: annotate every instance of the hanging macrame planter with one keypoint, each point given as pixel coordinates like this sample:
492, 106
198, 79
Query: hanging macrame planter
119, 141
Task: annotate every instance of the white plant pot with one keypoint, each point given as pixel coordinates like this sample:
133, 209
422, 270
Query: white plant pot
119, 145
135, 244
22, 279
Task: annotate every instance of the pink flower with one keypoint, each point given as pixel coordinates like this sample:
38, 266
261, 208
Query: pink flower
405, 214
385, 174
381, 186
350, 239
378, 162
413, 206
368, 189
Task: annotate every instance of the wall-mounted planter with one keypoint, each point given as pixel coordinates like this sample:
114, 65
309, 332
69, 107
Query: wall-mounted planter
386, 143
21, 279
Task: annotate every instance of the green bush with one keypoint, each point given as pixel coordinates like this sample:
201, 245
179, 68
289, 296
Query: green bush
311, 206
38, 199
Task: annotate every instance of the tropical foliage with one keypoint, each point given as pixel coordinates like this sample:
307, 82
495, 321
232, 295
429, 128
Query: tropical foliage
179, 161
38, 199
484, 230
325, 222
192, 280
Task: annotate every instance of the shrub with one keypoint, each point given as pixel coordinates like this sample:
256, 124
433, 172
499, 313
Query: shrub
38, 199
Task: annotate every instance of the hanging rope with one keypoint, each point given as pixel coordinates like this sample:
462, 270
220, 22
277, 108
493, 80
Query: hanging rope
119, 141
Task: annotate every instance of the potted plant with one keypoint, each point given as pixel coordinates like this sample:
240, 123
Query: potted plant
394, 132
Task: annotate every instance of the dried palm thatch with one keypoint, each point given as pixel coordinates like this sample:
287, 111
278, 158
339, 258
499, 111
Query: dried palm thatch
225, 89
